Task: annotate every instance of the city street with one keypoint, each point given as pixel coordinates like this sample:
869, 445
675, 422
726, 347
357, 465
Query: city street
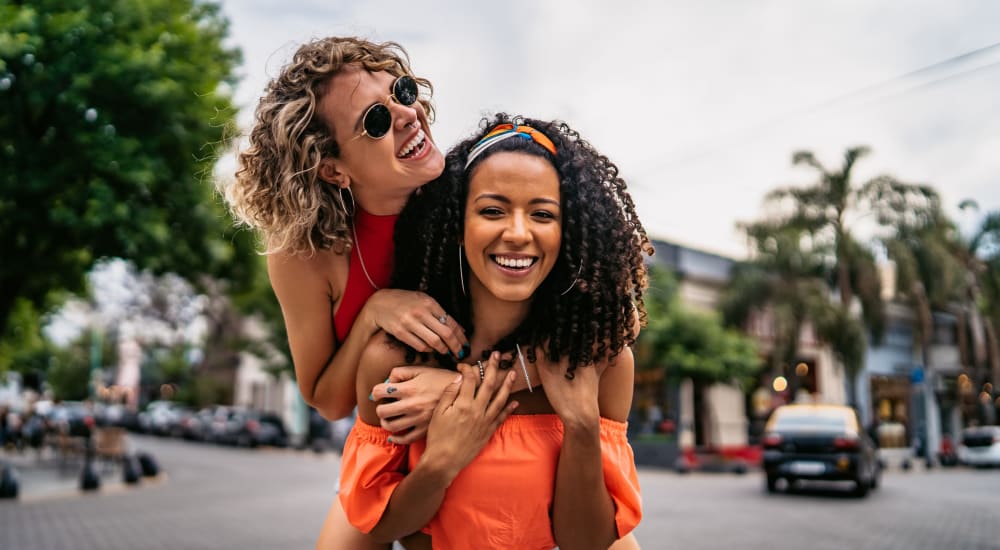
220, 498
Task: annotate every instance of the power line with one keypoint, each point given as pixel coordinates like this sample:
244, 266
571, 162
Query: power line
711, 146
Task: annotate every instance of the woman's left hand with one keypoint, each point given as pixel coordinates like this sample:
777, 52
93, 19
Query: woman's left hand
575, 401
416, 392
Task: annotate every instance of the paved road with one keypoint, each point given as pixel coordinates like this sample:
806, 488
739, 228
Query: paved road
220, 498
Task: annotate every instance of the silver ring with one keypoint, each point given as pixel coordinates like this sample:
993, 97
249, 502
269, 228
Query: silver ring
443, 319
482, 371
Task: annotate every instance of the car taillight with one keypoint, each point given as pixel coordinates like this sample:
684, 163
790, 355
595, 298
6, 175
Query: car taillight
772, 440
253, 425
845, 443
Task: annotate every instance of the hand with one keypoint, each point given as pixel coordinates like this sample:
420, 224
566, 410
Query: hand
576, 400
416, 391
465, 418
415, 319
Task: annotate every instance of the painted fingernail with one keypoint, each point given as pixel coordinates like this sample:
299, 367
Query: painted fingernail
389, 439
461, 353
371, 397
466, 350
386, 381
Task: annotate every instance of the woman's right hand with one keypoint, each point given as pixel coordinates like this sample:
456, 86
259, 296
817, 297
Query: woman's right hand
465, 418
415, 319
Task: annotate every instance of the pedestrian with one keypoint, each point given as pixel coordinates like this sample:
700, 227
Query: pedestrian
507, 242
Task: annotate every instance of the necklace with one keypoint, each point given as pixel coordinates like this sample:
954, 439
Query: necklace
357, 243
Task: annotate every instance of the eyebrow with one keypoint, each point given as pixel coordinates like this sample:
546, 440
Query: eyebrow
501, 198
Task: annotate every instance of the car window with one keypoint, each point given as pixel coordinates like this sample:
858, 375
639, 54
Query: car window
824, 419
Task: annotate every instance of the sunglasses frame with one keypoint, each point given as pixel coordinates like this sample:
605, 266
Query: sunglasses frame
383, 104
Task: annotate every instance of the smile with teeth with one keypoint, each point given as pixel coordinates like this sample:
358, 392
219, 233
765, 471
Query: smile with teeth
514, 263
414, 146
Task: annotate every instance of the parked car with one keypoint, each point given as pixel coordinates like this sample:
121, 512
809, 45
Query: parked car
980, 446
250, 428
819, 442
159, 417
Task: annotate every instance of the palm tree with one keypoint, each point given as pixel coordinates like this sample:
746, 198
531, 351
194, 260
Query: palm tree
786, 279
981, 258
822, 210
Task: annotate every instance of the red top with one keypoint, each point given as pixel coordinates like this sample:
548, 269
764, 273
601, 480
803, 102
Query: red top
373, 241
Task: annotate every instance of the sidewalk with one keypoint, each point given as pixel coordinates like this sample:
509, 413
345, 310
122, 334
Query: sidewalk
44, 474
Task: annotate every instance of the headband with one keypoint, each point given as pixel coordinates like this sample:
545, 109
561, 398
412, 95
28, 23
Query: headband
505, 131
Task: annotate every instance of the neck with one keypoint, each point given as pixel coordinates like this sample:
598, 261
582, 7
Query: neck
381, 203
492, 317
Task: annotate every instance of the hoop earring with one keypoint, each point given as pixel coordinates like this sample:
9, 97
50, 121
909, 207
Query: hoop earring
461, 275
575, 280
343, 203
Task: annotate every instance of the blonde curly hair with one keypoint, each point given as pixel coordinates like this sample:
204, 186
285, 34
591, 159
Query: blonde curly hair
277, 189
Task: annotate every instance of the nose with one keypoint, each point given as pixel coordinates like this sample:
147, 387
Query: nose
403, 115
517, 230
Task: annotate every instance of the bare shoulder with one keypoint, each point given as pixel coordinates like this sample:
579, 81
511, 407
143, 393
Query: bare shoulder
617, 385
291, 271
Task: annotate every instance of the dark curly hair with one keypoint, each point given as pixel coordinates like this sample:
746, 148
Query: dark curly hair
600, 257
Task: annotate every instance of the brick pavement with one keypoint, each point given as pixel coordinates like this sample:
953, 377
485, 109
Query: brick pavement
220, 498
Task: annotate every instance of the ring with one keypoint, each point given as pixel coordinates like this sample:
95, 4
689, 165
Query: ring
482, 371
443, 319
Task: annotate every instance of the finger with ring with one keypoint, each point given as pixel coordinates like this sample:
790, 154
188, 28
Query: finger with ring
390, 389
443, 319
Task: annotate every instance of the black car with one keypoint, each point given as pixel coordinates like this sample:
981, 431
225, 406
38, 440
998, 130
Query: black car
250, 428
819, 442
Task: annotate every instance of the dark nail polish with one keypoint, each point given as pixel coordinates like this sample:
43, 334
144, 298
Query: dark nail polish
371, 397
465, 351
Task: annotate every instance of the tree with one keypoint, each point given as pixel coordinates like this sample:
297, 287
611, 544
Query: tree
784, 284
112, 113
691, 345
822, 210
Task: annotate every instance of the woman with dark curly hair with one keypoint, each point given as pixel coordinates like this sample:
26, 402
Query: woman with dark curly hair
531, 242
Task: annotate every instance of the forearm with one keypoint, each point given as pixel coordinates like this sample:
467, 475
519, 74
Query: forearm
333, 391
413, 503
583, 514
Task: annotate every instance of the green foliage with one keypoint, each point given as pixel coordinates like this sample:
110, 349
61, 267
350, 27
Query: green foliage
21, 343
112, 113
68, 372
691, 345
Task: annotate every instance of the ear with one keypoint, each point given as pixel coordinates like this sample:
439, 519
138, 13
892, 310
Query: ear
330, 172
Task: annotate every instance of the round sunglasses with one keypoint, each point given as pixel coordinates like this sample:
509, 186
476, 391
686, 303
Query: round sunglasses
378, 119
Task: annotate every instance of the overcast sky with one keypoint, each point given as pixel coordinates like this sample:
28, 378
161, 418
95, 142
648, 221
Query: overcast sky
701, 104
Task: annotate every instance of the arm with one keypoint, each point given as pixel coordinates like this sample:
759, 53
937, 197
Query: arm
583, 514
308, 288
461, 425
415, 393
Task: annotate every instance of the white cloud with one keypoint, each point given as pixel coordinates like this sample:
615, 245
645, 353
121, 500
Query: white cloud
700, 104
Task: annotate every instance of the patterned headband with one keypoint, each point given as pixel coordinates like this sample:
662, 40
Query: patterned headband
505, 131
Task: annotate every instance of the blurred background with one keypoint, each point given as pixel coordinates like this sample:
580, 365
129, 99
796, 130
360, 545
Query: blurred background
820, 180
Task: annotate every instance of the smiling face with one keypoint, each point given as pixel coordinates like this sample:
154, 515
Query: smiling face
513, 225
384, 170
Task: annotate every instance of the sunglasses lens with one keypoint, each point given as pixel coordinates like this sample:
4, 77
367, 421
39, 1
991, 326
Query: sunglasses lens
377, 121
405, 90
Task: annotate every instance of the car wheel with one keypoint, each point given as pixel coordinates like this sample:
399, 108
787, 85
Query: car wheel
860, 488
772, 484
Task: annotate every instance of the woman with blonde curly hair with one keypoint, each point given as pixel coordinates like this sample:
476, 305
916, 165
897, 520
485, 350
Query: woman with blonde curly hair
340, 140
